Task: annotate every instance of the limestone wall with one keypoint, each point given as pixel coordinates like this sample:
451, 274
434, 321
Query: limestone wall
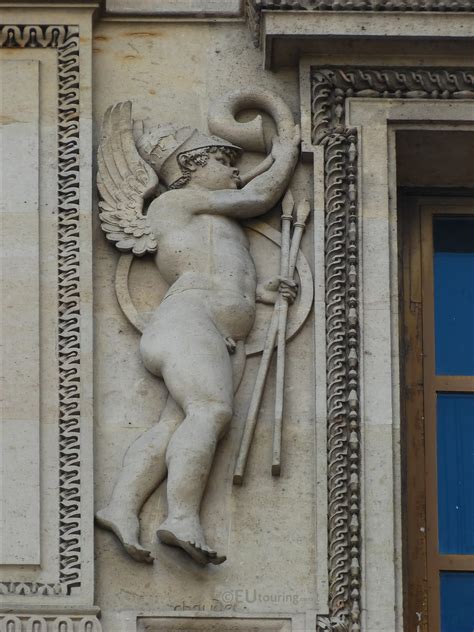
318, 547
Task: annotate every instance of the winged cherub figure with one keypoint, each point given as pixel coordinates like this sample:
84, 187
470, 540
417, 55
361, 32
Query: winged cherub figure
202, 251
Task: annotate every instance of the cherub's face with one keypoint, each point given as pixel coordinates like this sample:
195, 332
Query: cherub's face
217, 174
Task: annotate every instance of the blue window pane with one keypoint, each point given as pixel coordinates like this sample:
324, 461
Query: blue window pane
455, 423
454, 295
457, 602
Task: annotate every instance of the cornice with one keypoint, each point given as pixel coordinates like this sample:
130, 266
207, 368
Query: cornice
364, 5
254, 8
174, 9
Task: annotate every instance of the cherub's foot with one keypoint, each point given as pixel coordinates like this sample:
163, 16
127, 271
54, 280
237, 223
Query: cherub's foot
126, 527
188, 535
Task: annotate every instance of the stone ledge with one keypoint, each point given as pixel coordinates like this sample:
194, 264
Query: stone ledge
175, 8
256, 9
214, 624
287, 36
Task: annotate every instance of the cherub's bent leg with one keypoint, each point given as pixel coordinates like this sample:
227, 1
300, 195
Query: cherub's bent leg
143, 469
197, 370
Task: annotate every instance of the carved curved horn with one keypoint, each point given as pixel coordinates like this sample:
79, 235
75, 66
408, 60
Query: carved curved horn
249, 136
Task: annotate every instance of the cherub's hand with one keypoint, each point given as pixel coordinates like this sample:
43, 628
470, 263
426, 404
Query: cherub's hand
288, 288
288, 149
269, 291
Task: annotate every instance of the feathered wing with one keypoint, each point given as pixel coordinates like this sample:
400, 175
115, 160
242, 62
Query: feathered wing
124, 181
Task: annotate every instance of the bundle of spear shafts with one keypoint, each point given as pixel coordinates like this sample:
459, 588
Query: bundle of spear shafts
276, 333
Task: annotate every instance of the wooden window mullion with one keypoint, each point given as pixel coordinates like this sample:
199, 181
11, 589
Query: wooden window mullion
416, 606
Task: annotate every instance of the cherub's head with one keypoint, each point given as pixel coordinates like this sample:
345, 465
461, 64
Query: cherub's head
208, 167
184, 156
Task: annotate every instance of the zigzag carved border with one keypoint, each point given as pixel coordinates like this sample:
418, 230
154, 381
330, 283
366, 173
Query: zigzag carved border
65, 39
330, 87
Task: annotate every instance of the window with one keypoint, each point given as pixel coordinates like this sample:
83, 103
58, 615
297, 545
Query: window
437, 272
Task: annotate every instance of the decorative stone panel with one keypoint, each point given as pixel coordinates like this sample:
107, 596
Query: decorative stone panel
61, 577
65, 40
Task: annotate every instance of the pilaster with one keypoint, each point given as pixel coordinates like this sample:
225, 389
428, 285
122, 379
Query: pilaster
45, 52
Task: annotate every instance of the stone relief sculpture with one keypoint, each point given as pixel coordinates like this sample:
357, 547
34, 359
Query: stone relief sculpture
195, 338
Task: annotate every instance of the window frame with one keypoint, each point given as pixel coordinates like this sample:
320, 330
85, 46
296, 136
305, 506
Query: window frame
419, 387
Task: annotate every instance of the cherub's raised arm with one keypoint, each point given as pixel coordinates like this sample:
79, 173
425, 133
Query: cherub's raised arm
260, 194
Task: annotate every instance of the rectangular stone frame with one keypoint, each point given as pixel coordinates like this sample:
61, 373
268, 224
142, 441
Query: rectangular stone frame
354, 114
66, 603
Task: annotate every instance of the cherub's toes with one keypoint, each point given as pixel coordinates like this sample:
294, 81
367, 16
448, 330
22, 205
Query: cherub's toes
218, 559
140, 554
197, 545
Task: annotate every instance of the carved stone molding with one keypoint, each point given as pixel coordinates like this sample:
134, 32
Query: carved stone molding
65, 39
330, 87
342, 357
254, 8
333, 624
49, 623
445, 6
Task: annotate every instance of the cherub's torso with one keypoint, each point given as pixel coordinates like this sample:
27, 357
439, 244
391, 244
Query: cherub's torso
204, 252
